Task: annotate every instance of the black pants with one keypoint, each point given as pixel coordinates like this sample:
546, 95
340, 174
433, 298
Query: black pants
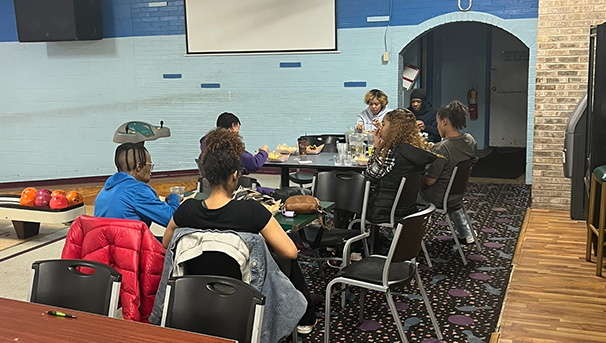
292, 270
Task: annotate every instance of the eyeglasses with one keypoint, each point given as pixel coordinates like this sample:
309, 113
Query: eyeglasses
151, 166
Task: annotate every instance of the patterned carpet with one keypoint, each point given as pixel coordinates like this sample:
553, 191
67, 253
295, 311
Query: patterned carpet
467, 300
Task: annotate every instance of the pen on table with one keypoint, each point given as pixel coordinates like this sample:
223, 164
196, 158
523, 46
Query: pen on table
61, 314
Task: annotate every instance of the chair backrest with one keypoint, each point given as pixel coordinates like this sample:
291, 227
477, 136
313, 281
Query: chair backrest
213, 263
330, 142
458, 180
81, 285
214, 305
314, 140
345, 189
407, 193
407, 238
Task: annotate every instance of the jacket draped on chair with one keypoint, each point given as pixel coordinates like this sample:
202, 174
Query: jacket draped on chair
130, 248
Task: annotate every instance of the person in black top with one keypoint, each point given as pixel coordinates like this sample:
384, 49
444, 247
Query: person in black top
399, 149
425, 114
221, 162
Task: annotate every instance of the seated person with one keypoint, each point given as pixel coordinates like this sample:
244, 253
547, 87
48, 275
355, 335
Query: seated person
455, 147
126, 194
426, 115
377, 107
221, 161
250, 162
398, 150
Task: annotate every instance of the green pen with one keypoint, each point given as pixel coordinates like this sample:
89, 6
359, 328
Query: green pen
60, 314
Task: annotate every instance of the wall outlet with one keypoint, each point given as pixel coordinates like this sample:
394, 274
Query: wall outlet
386, 56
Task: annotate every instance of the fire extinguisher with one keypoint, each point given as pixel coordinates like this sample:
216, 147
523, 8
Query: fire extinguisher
472, 101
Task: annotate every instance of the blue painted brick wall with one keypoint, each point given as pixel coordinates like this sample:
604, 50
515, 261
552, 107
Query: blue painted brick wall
125, 18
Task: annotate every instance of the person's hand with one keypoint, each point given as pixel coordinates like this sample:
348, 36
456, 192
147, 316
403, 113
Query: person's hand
377, 138
431, 144
360, 126
264, 148
377, 123
420, 125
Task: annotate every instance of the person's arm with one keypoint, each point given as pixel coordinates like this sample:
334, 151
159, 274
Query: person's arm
431, 126
253, 163
148, 205
275, 237
168, 233
434, 171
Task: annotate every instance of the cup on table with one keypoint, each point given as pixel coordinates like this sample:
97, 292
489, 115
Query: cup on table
179, 190
302, 141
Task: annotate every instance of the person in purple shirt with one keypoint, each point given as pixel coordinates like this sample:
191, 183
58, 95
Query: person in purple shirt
248, 161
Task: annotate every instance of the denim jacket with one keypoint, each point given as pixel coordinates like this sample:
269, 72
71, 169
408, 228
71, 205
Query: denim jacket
284, 304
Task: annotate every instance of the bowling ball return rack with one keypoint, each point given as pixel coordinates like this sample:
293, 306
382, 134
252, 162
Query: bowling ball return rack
26, 220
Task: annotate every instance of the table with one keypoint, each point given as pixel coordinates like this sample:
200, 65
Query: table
300, 221
321, 161
27, 322
26, 220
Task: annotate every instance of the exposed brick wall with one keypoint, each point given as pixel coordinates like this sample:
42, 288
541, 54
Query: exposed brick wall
562, 57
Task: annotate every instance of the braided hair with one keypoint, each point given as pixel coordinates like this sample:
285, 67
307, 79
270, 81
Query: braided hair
221, 155
129, 156
456, 113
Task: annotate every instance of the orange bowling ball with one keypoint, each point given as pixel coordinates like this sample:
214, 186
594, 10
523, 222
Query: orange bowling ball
74, 198
27, 199
31, 190
58, 192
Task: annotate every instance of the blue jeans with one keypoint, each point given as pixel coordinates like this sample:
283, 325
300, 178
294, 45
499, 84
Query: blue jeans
459, 221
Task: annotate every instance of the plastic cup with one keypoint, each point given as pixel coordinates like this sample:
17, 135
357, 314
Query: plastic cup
179, 190
302, 146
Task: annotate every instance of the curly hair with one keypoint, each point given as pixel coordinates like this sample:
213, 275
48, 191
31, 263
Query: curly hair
456, 113
221, 155
379, 95
403, 129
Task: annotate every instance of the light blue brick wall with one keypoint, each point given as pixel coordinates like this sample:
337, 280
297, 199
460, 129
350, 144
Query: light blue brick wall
61, 102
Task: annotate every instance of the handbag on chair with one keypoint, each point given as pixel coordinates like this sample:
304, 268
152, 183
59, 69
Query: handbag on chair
307, 204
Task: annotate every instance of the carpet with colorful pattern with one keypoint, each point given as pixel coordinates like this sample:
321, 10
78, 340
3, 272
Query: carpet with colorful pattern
467, 300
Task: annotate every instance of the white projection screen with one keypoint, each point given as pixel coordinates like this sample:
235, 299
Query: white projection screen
257, 26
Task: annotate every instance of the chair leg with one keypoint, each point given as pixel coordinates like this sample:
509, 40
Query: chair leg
473, 232
589, 241
427, 258
598, 270
320, 264
432, 315
456, 239
396, 317
327, 312
295, 336
362, 299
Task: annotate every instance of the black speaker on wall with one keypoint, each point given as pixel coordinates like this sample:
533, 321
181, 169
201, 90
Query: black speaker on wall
58, 20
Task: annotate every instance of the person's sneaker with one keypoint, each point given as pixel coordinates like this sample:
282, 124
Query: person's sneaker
306, 329
355, 256
334, 264
469, 240
330, 249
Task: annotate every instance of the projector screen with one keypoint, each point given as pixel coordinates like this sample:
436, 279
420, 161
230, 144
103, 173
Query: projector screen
249, 26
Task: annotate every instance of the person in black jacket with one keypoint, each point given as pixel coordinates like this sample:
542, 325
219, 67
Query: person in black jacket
425, 114
399, 149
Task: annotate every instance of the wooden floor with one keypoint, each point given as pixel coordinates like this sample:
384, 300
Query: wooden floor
554, 295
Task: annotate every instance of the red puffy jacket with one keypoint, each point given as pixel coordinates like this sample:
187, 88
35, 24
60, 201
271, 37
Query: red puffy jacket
130, 248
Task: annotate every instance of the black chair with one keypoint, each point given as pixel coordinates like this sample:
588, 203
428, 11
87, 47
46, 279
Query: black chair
330, 142
349, 191
214, 305
457, 186
80, 285
381, 273
406, 198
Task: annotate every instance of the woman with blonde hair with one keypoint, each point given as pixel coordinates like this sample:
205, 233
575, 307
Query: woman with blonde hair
398, 150
376, 110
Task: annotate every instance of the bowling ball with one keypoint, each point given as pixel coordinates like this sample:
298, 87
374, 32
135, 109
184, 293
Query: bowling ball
27, 199
58, 202
58, 192
74, 198
43, 191
31, 190
42, 199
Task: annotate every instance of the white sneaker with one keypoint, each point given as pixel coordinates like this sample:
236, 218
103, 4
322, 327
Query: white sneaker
330, 249
306, 329
355, 256
469, 240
